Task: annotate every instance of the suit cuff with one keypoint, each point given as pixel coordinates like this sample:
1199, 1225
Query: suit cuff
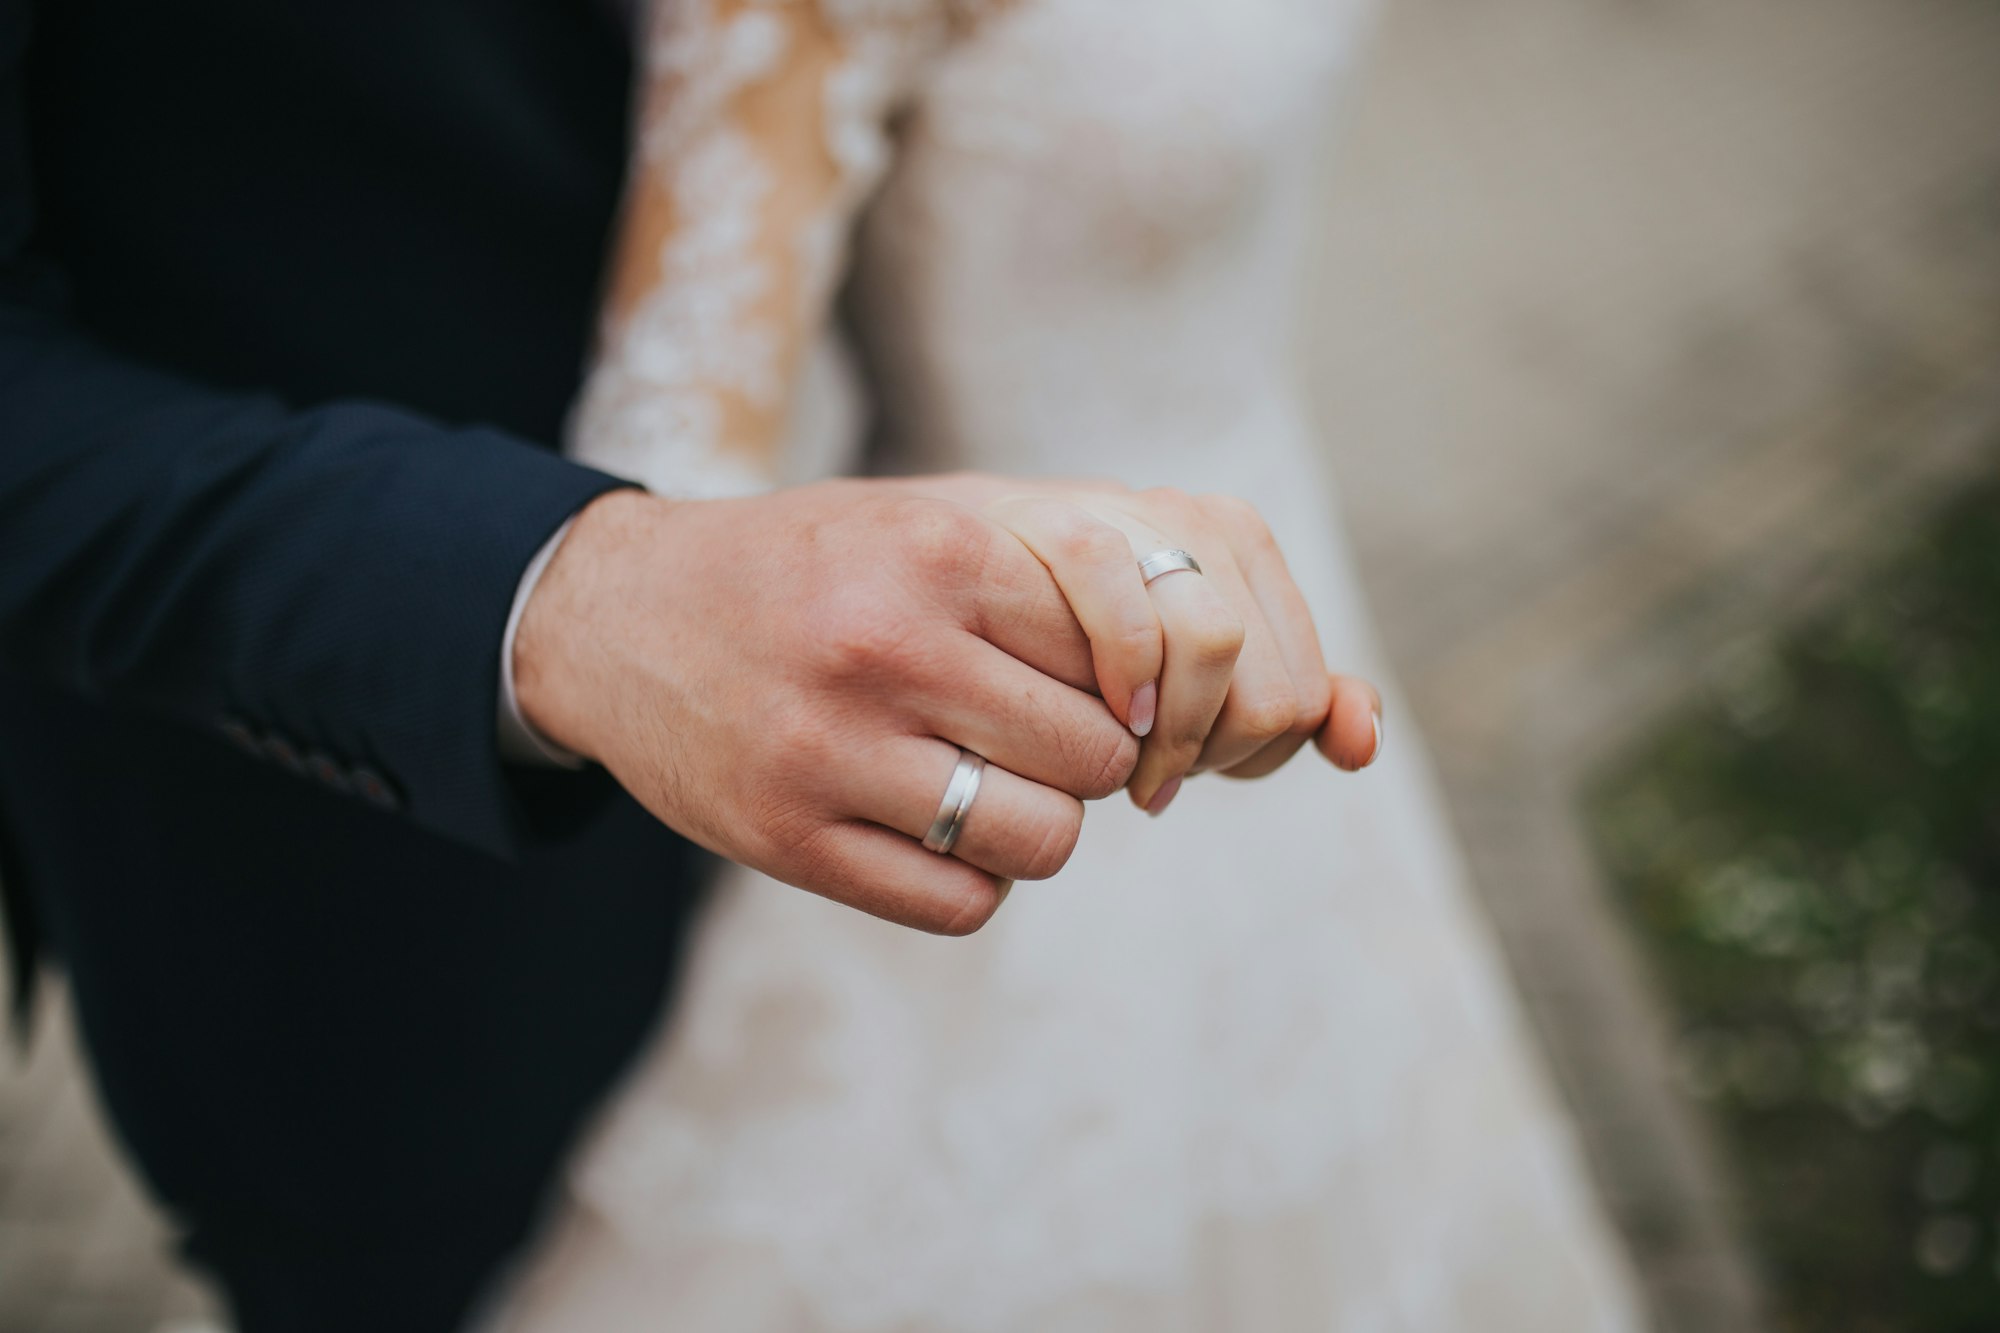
519, 742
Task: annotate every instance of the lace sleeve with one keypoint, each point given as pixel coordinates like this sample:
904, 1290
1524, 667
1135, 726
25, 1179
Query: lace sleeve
761, 130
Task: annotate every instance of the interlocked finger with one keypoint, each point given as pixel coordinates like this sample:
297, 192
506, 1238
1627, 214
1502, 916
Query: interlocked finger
1262, 702
1090, 559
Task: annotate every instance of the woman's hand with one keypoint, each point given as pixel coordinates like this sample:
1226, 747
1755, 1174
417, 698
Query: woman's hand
1220, 670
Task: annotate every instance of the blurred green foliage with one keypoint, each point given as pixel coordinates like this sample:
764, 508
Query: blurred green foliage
1811, 857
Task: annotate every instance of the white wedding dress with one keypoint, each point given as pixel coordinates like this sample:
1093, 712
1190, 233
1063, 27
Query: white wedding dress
1249, 1066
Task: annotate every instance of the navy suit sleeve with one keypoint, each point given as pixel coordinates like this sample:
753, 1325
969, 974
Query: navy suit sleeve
340, 575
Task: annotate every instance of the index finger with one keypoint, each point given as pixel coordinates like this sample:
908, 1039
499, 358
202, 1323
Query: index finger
1019, 608
1092, 563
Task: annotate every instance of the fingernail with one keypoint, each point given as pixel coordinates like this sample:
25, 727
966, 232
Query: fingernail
1144, 700
1376, 753
1164, 797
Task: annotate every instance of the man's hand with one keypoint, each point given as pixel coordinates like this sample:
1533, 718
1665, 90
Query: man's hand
784, 679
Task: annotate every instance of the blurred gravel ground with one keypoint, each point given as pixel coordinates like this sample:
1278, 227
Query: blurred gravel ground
1638, 329
1811, 852
80, 1249
1633, 325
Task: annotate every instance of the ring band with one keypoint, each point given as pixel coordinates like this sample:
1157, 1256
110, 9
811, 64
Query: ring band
957, 802
1167, 562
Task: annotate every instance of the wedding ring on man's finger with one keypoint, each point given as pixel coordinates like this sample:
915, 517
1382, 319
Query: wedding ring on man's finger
957, 803
1167, 562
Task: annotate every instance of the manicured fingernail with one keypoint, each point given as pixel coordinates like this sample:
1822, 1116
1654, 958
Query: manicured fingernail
1164, 797
1144, 700
1376, 753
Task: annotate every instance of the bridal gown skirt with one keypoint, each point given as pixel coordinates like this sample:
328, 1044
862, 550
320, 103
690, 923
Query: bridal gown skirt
1250, 1065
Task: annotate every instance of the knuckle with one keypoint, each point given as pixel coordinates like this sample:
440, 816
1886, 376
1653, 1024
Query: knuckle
1270, 715
944, 540
1089, 541
859, 634
1043, 512
805, 849
1054, 843
1232, 511
1216, 637
1107, 762
791, 819
1014, 507
795, 737
1137, 641
1184, 744
1244, 524
962, 910
1170, 502
1315, 701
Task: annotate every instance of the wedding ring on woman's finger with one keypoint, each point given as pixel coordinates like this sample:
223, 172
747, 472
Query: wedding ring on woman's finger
1172, 560
957, 803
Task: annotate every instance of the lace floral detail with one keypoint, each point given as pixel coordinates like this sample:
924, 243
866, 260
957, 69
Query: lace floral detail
651, 410
693, 378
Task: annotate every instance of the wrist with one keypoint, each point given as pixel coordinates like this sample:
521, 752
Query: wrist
560, 664
519, 742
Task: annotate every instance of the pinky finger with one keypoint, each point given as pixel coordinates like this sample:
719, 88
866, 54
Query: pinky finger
886, 874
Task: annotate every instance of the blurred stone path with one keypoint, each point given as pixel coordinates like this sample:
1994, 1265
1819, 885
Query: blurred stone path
80, 1249
1633, 325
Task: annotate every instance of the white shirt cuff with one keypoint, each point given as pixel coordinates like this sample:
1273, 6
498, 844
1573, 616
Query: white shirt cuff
519, 742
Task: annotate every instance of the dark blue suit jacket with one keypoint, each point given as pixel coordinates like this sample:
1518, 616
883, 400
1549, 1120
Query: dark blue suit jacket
292, 300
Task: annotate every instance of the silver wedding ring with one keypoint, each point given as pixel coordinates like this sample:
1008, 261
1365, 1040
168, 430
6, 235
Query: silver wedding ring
1166, 562
957, 803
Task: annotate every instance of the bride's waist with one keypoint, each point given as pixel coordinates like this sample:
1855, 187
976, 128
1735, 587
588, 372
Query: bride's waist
1118, 430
